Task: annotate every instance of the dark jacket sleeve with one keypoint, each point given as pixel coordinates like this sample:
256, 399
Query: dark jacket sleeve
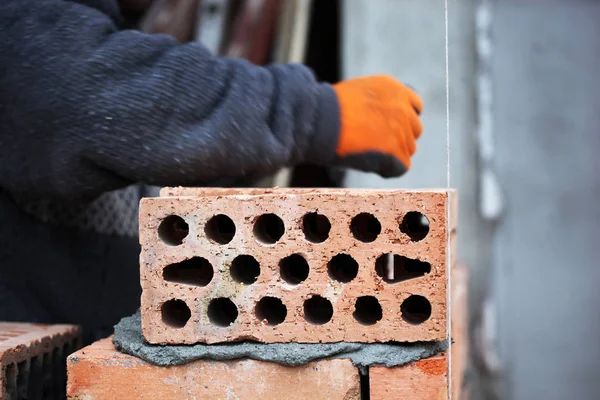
86, 108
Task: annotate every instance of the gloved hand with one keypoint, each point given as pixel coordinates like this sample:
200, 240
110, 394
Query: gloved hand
379, 125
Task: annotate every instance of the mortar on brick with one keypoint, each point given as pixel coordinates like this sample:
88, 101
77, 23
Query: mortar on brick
286, 233
128, 339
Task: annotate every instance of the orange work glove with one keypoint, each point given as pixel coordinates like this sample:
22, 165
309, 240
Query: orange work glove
379, 124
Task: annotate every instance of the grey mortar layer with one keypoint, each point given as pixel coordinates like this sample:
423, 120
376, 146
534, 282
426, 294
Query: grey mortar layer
129, 340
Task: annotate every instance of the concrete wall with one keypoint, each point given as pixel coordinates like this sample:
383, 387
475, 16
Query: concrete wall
546, 67
543, 253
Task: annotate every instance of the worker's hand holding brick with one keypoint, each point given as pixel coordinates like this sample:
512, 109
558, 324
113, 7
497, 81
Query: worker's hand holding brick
379, 124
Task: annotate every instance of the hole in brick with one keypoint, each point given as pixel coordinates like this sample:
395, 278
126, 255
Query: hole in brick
245, 269
271, 309
415, 309
57, 368
22, 379
415, 225
173, 229
316, 227
196, 271
47, 376
222, 312
343, 268
220, 229
175, 313
68, 349
399, 268
318, 310
11, 381
365, 227
294, 269
268, 228
36, 380
61, 373
367, 310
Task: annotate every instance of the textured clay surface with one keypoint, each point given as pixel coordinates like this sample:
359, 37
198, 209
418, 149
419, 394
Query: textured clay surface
32, 359
460, 331
423, 380
101, 372
294, 265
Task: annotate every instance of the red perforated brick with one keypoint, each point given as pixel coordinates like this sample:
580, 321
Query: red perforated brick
100, 372
32, 359
289, 265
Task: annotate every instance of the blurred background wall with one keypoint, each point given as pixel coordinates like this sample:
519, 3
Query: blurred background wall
536, 256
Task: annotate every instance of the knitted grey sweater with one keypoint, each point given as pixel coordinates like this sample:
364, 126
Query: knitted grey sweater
87, 110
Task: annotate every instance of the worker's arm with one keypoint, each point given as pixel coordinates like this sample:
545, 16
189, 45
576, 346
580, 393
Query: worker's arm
85, 108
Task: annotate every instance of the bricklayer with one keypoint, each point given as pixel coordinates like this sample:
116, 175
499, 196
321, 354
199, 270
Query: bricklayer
32, 359
337, 285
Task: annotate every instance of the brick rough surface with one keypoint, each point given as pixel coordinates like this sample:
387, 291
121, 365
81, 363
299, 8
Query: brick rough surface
423, 380
32, 359
215, 296
100, 372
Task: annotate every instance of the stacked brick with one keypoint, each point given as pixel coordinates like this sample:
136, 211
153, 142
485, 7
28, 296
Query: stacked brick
32, 359
287, 265
99, 372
